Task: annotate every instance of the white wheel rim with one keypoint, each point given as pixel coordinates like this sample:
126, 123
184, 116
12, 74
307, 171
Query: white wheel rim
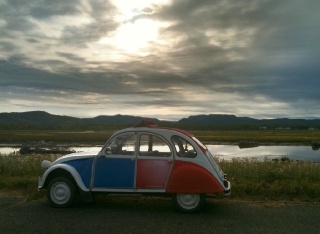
60, 193
188, 201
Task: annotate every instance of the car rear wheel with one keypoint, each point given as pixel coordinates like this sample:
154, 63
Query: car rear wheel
189, 203
61, 192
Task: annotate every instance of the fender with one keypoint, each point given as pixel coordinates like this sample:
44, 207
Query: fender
187, 177
66, 167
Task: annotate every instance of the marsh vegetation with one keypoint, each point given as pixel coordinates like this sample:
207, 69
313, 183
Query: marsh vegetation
251, 179
304, 137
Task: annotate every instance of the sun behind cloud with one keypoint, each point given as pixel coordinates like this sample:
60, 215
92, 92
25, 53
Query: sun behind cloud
134, 37
137, 30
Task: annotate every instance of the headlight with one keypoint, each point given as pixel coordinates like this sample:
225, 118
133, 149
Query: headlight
45, 164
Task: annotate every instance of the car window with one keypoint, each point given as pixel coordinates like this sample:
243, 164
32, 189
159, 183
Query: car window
183, 147
151, 145
123, 144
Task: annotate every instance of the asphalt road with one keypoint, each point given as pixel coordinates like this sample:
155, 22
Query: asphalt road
156, 215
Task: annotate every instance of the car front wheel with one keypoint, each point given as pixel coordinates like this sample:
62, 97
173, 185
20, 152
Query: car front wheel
61, 192
189, 203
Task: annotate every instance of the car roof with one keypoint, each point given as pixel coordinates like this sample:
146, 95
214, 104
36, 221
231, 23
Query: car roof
157, 129
147, 125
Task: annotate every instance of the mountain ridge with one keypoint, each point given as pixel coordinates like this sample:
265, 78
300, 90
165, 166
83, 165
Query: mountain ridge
45, 118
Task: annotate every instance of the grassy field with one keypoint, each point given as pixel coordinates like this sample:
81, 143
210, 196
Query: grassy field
100, 137
263, 136
274, 180
250, 180
87, 137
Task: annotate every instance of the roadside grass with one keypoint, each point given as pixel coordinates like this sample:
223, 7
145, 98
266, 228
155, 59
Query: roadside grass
273, 180
251, 179
20, 173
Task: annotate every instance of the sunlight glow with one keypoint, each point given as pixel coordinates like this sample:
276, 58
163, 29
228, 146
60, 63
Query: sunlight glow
132, 37
135, 35
129, 9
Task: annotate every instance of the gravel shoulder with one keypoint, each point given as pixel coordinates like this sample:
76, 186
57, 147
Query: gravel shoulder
136, 214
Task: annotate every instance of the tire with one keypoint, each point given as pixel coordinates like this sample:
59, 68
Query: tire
61, 192
189, 203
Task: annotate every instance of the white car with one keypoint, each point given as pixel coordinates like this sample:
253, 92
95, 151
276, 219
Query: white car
144, 159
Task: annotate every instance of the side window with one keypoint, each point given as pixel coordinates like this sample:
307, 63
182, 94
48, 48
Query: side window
183, 147
151, 145
123, 144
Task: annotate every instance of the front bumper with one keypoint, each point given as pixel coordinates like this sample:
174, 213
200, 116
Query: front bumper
40, 183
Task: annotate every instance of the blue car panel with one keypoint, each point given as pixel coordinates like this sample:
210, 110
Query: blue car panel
114, 173
84, 168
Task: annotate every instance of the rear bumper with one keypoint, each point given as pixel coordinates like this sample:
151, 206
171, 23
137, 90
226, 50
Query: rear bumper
227, 190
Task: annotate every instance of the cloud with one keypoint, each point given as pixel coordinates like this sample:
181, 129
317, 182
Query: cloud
257, 58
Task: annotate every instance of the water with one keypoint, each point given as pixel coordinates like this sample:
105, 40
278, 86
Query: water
227, 152
9, 150
86, 149
304, 153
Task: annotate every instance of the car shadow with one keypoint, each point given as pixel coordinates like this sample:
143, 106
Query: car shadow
140, 203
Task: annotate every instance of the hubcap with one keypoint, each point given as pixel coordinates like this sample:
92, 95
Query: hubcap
60, 193
188, 201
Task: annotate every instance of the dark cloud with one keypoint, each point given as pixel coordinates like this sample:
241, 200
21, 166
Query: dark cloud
280, 35
70, 56
44, 10
254, 57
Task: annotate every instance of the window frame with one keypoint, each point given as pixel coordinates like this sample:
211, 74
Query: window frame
111, 154
142, 155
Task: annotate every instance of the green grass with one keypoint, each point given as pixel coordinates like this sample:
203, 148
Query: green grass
288, 180
100, 137
251, 180
87, 137
20, 172
263, 136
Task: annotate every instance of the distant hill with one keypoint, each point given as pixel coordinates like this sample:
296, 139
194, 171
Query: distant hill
44, 117
234, 122
35, 117
43, 120
216, 119
102, 119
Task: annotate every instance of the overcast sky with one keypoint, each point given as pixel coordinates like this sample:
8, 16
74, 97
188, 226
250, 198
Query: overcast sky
163, 58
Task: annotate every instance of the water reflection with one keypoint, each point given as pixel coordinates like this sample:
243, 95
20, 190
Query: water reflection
86, 149
9, 150
14, 150
228, 152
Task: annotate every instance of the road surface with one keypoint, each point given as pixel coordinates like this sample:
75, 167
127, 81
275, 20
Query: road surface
156, 215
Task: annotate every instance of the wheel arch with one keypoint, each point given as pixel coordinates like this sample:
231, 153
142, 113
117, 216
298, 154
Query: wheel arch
59, 172
187, 177
63, 170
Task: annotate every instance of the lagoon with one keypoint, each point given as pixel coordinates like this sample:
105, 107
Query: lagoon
228, 152
302, 153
